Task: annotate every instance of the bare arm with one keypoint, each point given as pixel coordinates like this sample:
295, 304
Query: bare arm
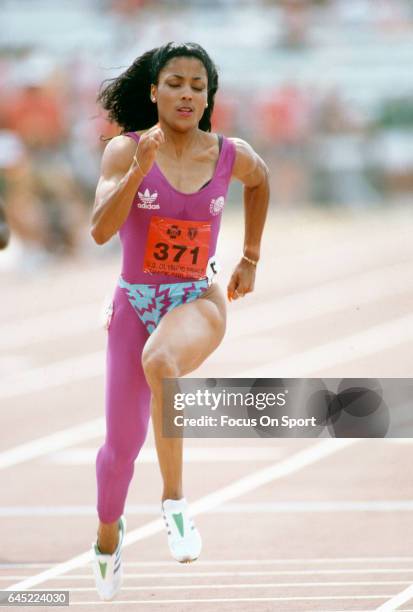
120, 178
251, 170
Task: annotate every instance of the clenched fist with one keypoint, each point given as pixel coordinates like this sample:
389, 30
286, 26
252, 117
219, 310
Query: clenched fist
149, 143
242, 280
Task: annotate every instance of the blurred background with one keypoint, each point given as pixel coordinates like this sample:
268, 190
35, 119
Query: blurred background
321, 89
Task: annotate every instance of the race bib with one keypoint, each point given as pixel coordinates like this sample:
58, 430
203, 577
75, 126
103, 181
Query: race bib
177, 247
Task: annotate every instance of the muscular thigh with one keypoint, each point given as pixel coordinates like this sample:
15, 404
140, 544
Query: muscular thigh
190, 332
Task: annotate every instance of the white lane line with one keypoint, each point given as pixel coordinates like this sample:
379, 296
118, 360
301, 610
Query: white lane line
192, 574
361, 344
227, 599
96, 427
302, 560
52, 442
288, 466
50, 326
248, 585
299, 365
288, 310
12, 364
397, 600
208, 454
240, 508
328, 297
53, 375
322, 506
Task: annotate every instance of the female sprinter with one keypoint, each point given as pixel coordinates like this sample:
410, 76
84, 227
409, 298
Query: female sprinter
163, 186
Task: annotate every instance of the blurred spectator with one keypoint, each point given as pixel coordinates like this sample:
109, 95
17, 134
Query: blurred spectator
309, 111
340, 152
127, 8
295, 23
26, 219
335, 116
282, 129
393, 15
45, 206
224, 118
35, 115
4, 228
283, 115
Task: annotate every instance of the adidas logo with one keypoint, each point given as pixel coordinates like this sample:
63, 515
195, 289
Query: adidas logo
147, 200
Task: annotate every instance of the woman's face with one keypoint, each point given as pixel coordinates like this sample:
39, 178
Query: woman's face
182, 83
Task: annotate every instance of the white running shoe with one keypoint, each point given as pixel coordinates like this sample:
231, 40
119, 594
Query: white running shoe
108, 568
184, 539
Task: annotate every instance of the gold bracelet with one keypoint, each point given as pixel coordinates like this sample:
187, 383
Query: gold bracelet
251, 261
137, 163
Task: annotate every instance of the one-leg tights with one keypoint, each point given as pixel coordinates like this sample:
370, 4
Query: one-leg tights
127, 409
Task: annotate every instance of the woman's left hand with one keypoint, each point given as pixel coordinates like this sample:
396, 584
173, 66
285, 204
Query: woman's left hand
242, 280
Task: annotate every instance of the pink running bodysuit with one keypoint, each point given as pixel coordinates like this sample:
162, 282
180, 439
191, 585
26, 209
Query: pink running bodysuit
140, 300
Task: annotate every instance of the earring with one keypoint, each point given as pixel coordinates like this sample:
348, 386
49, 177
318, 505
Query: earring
206, 105
153, 99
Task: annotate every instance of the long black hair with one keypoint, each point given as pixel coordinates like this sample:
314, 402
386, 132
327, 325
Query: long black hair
127, 97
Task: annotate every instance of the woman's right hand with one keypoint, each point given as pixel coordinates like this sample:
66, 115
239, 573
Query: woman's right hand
118, 181
148, 144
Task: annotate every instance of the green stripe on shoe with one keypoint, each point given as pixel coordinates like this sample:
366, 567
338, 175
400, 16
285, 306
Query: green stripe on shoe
179, 521
103, 568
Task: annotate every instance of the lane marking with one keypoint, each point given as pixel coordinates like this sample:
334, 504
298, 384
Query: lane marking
212, 454
327, 298
12, 364
53, 442
189, 573
305, 560
289, 310
397, 600
240, 508
53, 375
301, 364
193, 574
50, 326
330, 296
96, 428
288, 466
247, 585
349, 348
228, 599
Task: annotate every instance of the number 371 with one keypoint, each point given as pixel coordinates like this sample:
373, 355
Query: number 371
164, 252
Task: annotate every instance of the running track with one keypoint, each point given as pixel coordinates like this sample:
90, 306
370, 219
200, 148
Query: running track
288, 525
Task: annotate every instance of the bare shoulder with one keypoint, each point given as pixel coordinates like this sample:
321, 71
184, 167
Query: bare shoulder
118, 154
241, 145
119, 145
248, 167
